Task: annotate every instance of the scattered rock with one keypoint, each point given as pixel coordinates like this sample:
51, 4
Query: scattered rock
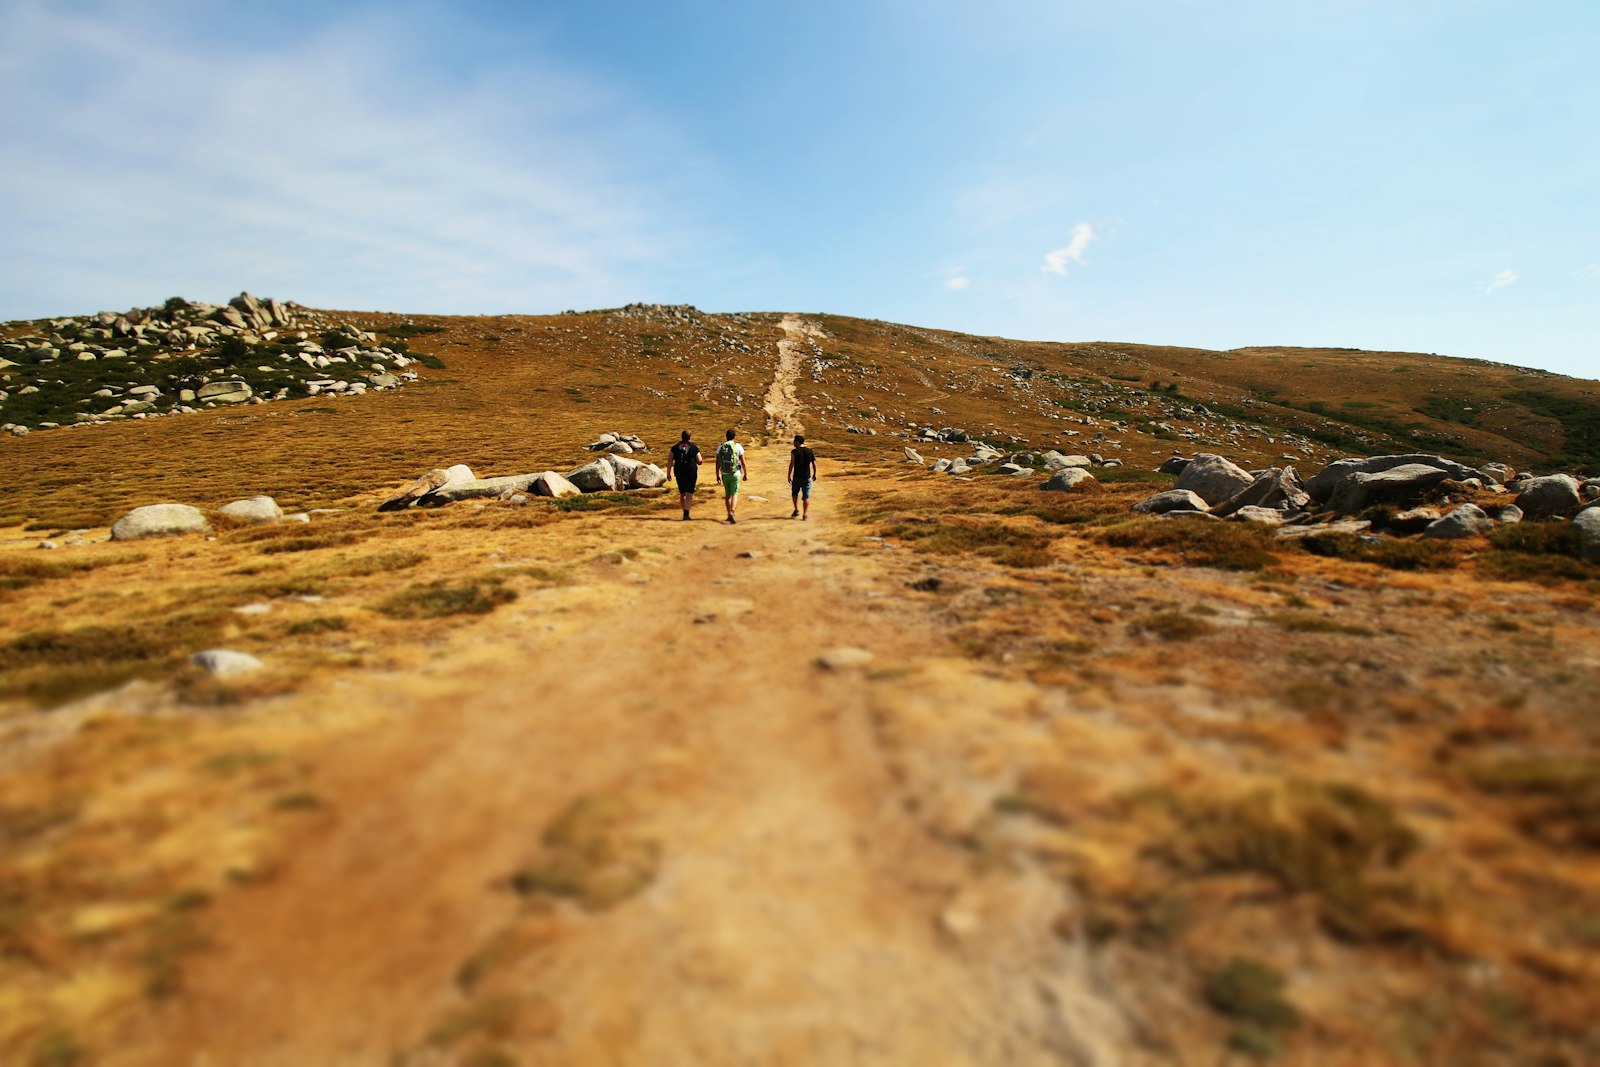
1550, 496
1171, 500
1277, 487
157, 520
1323, 485
1468, 520
1255, 513
1587, 523
225, 662
225, 392
930, 584
596, 477
1066, 479
1214, 478
253, 509
1175, 465
844, 659
554, 485
912, 455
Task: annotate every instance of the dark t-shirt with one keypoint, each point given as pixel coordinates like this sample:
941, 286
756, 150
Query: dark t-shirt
684, 454
803, 459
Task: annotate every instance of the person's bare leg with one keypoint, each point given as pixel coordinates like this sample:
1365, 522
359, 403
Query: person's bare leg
794, 498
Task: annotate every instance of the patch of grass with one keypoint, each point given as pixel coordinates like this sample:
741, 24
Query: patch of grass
1329, 840
407, 330
1170, 626
397, 559
51, 666
1251, 994
1226, 545
600, 502
441, 599
1538, 539
432, 362
590, 854
1303, 623
1392, 554
1134, 476
1011, 544
311, 542
320, 624
493, 1016
58, 1048
1564, 791
19, 571
1544, 570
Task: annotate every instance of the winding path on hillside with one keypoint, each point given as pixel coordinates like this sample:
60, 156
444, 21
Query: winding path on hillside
782, 403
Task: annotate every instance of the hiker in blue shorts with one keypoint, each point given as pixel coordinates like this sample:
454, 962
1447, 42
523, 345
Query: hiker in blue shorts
731, 469
802, 472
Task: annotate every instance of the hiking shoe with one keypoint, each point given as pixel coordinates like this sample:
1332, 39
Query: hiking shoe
731, 519
685, 514
795, 514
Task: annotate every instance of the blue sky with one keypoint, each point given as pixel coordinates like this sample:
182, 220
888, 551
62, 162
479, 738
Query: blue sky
1396, 175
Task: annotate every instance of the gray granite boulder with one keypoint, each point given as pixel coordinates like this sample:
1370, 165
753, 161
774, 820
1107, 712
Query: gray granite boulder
1403, 486
1468, 520
1587, 523
596, 477
1067, 479
1276, 487
1214, 478
225, 662
1325, 482
1547, 497
225, 392
252, 509
159, 520
551, 484
1171, 500
1175, 465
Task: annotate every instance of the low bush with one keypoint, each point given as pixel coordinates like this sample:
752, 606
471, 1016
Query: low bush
1325, 839
1384, 552
1012, 544
1564, 791
1170, 626
440, 599
1251, 994
1233, 546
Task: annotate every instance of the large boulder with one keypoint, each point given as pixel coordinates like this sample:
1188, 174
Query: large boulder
597, 477
1552, 495
1174, 465
1171, 500
225, 392
1067, 479
253, 509
1322, 485
1214, 478
1587, 523
1404, 486
477, 489
633, 474
1276, 487
1468, 520
554, 485
159, 520
427, 484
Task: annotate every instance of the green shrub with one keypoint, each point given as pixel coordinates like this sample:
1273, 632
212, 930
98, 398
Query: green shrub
433, 362
1251, 992
440, 599
1234, 546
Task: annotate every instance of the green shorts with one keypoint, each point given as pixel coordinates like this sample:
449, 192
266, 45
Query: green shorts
730, 483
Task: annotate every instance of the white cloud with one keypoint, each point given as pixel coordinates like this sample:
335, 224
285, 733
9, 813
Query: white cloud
335, 167
957, 282
1500, 281
1056, 260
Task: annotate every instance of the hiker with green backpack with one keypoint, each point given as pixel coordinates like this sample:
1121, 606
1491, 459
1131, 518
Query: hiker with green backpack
731, 469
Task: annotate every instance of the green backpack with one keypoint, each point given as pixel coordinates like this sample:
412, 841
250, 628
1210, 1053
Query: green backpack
727, 458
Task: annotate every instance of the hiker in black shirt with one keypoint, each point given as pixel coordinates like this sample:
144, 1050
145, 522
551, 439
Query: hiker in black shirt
685, 466
802, 472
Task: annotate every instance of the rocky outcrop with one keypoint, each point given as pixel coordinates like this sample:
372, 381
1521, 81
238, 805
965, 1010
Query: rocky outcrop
1277, 488
1404, 485
1326, 482
159, 520
633, 474
1213, 478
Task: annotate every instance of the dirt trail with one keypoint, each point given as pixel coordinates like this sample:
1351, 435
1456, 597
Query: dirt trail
801, 909
782, 405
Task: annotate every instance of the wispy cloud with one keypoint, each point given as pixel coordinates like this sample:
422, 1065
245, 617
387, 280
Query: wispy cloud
1056, 260
1500, 281
332, 168
958, 279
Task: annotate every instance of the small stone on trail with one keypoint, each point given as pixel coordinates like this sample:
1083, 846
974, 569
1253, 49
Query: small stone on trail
930, 584
225, 663
749, 555
252, 609
844, 659
48, 545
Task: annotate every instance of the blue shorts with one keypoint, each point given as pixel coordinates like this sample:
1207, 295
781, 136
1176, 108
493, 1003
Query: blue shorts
801, 489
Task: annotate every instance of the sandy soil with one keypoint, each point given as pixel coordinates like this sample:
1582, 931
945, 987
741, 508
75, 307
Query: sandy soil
800, 911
